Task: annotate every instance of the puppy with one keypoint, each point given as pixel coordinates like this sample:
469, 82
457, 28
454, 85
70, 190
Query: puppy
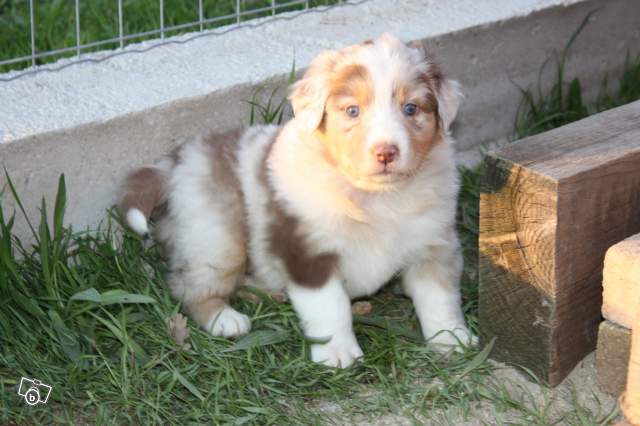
359, 186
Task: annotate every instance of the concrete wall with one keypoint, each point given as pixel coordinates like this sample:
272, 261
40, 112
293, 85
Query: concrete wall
94, 122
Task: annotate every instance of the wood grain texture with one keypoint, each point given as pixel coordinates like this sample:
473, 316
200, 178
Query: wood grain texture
550, 207
621, 281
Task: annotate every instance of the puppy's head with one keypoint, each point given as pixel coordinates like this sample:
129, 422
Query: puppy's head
377, 108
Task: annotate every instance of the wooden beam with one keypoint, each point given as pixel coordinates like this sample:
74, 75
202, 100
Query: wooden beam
550, 207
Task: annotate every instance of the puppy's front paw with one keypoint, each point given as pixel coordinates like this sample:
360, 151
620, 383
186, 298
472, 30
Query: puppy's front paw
457, 338
229, 323
337, 352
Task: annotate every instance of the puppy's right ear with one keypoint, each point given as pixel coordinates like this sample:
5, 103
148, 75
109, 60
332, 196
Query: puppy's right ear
309, 95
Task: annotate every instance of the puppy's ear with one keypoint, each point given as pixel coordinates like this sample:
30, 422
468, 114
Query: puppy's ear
447, 92
448, 95
309, 95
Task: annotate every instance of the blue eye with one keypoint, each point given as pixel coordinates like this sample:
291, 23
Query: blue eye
352, 111
409, 109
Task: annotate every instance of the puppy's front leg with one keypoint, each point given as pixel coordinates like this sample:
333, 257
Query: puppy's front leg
325, 313
433, 284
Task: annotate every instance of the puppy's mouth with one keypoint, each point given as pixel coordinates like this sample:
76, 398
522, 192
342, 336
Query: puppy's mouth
385, 175
379, 181
388, 174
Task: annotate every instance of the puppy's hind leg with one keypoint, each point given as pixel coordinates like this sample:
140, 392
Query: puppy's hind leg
205, 291
204, 230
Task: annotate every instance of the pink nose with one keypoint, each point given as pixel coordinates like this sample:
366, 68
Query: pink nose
385, 153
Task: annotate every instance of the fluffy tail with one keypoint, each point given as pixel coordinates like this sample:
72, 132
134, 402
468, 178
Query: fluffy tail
143, 191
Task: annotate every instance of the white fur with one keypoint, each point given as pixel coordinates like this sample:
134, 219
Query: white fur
229, 323
436, 296
325, 313
136, 221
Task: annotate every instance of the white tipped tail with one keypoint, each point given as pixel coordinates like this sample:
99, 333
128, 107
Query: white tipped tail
143, 191
137, 222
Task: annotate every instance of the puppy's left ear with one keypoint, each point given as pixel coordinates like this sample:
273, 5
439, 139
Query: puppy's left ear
449, 96
447, 92
309, 95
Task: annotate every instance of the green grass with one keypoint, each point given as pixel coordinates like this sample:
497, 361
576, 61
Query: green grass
111, 359
55, 22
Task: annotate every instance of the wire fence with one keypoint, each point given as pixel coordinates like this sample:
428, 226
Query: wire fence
87, 26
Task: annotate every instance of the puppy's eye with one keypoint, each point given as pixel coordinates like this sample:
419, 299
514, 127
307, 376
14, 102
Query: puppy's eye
353, 111
409, 109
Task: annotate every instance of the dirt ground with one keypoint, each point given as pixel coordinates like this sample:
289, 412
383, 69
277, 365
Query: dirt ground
581, 384
538, 405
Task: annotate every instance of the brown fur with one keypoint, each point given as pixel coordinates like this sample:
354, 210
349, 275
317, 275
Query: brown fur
144, 189
352, 82
223, 158
222, 152
423, 135
201, 310
285, 242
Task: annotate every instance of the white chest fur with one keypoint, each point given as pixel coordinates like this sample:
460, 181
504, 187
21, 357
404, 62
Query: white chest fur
372, 253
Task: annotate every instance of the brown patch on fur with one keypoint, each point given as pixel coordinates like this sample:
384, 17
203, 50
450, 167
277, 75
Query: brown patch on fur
423, 135
428, 103
202, 310
222, 153
303, 267
144, 189
433, 78
225, 188
353, 82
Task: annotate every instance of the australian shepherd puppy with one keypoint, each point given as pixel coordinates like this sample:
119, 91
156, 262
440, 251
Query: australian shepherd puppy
359, 186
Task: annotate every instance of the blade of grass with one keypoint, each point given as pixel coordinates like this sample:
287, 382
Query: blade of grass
259, 338
12, 188
59, 209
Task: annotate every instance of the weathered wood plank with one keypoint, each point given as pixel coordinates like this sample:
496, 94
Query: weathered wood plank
621, 281
550, 207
